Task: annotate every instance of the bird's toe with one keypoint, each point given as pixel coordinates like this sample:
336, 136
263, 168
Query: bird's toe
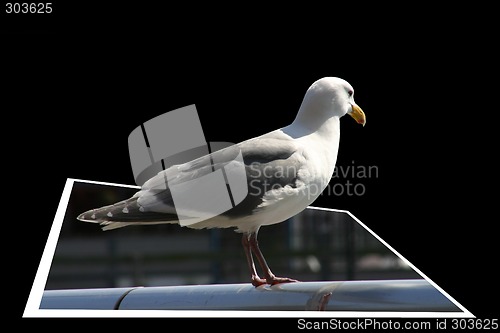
277, 280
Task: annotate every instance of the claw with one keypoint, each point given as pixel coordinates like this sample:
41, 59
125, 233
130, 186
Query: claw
257, 281
277, 280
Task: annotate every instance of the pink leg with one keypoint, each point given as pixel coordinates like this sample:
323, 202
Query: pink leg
252, 245
256, 280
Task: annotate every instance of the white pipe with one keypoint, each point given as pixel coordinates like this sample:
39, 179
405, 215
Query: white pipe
375, 295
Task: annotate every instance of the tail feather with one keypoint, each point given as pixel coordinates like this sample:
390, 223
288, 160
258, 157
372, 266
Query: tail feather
124, 213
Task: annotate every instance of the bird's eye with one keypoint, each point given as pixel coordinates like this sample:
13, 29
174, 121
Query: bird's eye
350, 92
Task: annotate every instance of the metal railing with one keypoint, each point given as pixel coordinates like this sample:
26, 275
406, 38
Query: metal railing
375, 295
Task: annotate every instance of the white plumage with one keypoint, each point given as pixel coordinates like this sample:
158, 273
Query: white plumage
286, 170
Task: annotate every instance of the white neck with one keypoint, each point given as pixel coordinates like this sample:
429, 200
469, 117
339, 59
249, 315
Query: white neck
326, 130
309, 122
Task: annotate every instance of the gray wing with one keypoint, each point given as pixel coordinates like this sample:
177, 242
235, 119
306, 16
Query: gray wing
269, 161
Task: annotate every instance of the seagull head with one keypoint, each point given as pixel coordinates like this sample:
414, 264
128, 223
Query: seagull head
333, 96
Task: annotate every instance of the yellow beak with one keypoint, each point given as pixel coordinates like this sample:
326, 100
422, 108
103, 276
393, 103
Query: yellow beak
358, 114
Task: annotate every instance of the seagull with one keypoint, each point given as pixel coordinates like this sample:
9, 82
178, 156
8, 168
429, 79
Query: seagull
285, 171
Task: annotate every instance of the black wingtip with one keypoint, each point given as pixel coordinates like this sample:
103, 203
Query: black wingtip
112, 213
88, 216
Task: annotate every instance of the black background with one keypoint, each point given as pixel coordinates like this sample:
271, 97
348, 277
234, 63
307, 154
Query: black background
79, 81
